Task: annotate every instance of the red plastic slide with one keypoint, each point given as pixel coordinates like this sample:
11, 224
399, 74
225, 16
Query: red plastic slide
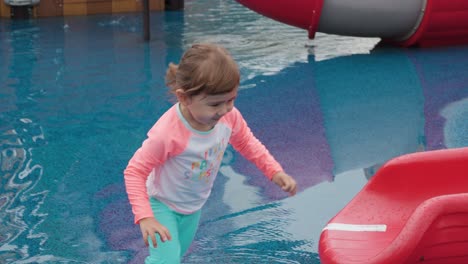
414, 210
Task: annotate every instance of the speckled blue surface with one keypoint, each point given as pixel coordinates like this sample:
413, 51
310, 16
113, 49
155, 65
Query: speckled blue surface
78, 94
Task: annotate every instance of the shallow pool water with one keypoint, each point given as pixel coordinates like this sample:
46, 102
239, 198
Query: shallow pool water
78, 94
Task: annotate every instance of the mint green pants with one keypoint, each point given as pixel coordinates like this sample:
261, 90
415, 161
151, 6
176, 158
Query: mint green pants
182, 229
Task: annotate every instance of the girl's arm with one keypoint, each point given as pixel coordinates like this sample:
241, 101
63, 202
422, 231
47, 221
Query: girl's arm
144, 160
250, 147
165, 139
149, 156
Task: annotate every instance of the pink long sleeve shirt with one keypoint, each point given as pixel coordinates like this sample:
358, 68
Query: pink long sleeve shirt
177, 164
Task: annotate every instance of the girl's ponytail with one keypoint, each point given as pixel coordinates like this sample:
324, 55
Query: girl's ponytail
171, 81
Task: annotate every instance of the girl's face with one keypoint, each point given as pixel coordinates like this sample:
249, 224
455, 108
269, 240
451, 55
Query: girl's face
204, 111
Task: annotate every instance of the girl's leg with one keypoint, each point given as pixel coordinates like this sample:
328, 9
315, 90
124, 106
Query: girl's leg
168, 252
188, 225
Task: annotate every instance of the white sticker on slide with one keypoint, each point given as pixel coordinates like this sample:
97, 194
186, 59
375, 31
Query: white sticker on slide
356, 228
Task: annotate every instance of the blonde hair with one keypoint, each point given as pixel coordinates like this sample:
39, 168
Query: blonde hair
204, 68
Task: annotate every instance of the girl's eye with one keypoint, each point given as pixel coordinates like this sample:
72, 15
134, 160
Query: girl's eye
218, 104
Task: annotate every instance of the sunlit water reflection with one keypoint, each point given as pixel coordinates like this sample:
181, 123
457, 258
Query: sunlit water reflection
78, 94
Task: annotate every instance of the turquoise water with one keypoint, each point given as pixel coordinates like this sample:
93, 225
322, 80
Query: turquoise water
78, 94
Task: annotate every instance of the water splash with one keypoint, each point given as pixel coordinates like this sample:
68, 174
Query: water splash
19, 204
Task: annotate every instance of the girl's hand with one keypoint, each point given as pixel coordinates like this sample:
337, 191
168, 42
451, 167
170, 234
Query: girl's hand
149, 227
285, 182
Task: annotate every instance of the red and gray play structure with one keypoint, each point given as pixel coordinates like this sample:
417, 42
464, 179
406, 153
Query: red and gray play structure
405, 23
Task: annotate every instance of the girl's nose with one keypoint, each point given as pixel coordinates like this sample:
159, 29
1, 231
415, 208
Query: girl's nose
229, 106
226, 108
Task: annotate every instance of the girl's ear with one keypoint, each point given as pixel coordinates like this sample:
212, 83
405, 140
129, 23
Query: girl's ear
182, 97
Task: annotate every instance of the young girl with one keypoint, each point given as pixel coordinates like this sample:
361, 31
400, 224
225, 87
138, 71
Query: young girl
170, 176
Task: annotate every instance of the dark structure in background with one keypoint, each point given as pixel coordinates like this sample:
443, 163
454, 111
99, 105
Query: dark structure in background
169, 5
21, 12
173, 5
